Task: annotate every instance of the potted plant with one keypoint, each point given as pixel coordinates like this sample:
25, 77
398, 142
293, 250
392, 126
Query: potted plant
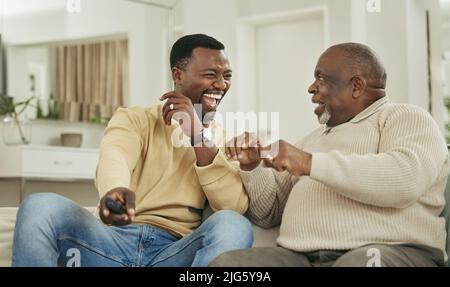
16, 129
52, 109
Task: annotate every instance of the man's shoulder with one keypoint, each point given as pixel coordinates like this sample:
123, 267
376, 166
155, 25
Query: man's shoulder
406, 116
407, 110
146, 114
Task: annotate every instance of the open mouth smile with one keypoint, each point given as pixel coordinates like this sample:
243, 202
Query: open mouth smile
211, 100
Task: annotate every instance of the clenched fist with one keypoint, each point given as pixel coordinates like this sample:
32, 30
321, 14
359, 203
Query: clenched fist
279, 155
124, 197
246, 149
287, 157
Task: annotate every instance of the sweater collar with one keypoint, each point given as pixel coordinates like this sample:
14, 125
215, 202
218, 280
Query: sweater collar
373, 108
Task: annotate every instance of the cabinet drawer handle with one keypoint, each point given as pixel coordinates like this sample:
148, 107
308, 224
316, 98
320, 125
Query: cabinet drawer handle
62, 162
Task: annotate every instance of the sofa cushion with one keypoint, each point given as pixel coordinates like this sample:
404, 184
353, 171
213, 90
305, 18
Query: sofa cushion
265, 237
261, 237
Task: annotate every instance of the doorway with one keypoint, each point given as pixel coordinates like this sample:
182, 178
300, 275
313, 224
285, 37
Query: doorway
277, 74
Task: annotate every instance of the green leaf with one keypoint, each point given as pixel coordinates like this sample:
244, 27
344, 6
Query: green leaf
7, 105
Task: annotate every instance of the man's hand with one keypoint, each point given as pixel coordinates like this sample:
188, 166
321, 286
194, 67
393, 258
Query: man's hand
123, 196
180, 108
284, 156
245, 149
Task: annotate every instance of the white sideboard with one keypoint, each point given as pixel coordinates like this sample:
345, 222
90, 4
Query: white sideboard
47, 163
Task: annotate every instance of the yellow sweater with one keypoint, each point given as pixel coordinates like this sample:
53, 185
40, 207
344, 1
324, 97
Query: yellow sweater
136, 152
379, 178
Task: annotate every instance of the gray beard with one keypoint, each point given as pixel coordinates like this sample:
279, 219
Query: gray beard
325, 117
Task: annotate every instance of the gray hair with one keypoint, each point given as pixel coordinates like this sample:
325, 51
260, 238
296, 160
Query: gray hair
364, 60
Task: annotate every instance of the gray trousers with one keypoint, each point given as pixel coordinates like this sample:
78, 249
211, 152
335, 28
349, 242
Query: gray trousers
377, 255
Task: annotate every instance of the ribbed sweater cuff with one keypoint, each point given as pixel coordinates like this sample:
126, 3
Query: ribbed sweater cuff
319, 166
215, 171
256, 180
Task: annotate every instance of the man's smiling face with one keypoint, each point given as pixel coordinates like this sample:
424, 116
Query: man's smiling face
206, 78
332, 89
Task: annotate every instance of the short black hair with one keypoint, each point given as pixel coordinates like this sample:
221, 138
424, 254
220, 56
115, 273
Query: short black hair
364, 60
182, 49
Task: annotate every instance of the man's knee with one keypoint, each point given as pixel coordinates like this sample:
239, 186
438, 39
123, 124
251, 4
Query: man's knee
42, 206
39, 203
231, 227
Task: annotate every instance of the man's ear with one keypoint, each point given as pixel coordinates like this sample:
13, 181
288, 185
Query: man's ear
359, 86
177, 76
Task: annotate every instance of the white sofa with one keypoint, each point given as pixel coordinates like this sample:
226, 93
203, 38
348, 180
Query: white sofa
262, 237
7, 221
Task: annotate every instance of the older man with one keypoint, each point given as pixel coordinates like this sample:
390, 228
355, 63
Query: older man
365, 189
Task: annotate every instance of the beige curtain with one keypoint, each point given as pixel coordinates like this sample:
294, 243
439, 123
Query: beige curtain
92, 80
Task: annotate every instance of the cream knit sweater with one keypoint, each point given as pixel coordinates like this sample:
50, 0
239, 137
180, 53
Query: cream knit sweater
379, 178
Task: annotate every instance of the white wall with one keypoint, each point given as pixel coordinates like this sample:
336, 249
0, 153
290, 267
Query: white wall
386, 34
418, 78
339, 13
178, 14
398, 34
446, 37
359, 21
218, 19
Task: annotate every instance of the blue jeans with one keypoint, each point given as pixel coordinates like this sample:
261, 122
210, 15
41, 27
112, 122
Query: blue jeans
54, 231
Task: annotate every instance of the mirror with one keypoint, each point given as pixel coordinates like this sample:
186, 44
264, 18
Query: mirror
84, 80
76, 62
31, 73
